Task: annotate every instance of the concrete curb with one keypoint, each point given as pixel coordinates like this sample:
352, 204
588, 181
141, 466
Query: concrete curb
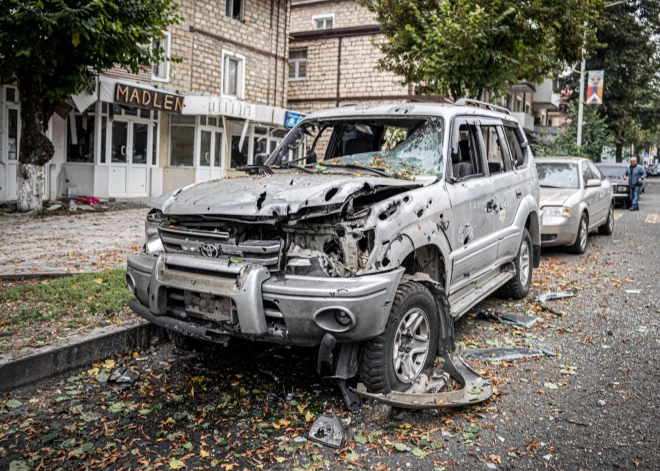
37, 275
32, 365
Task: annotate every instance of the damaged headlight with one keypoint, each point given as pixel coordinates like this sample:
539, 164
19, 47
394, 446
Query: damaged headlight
338, 253
153, 245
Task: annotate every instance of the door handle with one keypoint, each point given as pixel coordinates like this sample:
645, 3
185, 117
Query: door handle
518, 193
491, 206
123, 150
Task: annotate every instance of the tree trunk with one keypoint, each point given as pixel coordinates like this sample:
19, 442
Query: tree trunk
619, 152
34, 152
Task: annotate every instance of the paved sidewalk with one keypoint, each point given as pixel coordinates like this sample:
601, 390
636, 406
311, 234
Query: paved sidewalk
77, 243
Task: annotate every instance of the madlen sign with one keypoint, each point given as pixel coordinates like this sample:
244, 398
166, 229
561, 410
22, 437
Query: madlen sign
149, 99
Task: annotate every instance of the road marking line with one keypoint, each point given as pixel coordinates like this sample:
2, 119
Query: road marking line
651, 219
618, 215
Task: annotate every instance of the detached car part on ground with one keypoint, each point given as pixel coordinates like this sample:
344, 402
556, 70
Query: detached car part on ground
371, 253
576, 199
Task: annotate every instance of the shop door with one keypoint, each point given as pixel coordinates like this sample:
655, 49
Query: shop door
13, 137
130, 155
211, 144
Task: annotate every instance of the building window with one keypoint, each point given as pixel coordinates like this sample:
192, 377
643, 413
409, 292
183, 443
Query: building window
233, 72
182, 140
323, 22
80, 137
297, 64
161, 71
234, 9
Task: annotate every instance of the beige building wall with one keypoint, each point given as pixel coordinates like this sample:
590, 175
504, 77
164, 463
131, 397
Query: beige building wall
261, 38
347, 14
342, 62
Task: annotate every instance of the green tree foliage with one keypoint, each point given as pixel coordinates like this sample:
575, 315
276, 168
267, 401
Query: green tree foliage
52, 48
630, 58
466, 47
595, 136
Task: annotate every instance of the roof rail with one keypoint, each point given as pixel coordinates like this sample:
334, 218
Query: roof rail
490, 106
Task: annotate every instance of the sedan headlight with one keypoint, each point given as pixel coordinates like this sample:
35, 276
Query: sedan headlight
622, 189
557, 212
153, 245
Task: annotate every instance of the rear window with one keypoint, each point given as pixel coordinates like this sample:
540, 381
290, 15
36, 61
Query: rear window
557, 175
611, 171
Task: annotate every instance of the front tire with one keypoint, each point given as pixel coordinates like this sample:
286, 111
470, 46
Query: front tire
580, 245
518, 286
608, 228
408, 345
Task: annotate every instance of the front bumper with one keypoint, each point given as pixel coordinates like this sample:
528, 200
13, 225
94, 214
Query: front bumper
559, 231
247, 301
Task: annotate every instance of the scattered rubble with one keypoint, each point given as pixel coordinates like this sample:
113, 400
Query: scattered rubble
327, 430
552, 296
506, 353
520, 320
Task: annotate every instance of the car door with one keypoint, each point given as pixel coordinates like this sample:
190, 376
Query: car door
472, 224
591, 196
605, 193
507, 187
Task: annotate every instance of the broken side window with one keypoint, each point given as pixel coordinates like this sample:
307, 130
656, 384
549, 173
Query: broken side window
466, 159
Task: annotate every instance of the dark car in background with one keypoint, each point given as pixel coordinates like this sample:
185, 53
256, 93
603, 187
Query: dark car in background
615, 173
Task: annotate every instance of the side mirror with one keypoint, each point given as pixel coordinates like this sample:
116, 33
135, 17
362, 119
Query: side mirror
260, 159
593, 183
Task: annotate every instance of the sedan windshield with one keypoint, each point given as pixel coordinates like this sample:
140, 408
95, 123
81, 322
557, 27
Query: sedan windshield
399, 147
613, 171
558, 175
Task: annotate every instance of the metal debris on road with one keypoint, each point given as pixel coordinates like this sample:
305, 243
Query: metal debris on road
506, 353
423, 394
123, 376
552, 296
633, 291
520, 320
327, 430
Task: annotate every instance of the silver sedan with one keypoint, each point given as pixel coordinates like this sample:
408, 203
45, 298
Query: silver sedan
576, 199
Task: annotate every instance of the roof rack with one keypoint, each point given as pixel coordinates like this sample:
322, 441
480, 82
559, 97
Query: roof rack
490, 106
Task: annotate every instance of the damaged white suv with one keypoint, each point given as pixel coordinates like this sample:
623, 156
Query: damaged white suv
367, 232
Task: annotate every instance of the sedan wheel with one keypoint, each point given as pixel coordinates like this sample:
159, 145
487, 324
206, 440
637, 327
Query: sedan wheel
580, 245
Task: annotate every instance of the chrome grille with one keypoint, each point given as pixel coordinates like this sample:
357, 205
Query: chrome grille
180, 240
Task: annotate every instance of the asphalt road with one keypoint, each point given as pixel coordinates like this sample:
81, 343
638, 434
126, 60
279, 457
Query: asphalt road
595, 406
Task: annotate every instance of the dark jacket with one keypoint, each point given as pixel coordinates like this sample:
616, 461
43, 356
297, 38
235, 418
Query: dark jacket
635, 173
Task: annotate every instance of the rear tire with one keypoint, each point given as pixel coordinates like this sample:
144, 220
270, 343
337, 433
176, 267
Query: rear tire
580, 245
389, 362
608, 228
518, 286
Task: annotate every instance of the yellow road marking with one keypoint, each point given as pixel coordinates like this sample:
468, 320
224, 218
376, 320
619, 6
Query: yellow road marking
617, 215
651, 219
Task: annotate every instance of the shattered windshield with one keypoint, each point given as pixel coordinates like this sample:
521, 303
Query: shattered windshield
398, 147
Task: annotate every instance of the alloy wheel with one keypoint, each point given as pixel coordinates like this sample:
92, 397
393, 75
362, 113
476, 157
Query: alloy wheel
583, 234
411, 345
523, 264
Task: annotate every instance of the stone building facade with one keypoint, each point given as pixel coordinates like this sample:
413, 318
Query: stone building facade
339, 40
127, 143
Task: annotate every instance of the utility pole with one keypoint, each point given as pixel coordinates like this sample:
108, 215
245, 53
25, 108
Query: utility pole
582, 72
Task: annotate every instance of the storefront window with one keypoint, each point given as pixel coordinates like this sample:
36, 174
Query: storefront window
104, 132
239, 155
154, 145
182, 141
80, 138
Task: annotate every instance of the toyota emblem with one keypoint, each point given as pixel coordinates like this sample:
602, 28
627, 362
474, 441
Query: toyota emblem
209, 250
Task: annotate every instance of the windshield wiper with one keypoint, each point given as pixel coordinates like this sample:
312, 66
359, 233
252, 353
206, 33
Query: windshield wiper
377, 171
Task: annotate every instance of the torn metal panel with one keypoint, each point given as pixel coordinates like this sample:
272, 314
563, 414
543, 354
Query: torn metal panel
510, 318
423, 395
278, 195
552, 296
506, 353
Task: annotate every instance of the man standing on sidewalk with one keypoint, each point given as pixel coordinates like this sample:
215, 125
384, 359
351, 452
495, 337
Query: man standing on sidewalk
637, 176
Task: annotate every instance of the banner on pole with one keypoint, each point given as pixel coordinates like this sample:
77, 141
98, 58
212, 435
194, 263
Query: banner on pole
595, 87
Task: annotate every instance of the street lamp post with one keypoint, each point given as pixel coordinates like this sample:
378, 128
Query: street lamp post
582, 72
